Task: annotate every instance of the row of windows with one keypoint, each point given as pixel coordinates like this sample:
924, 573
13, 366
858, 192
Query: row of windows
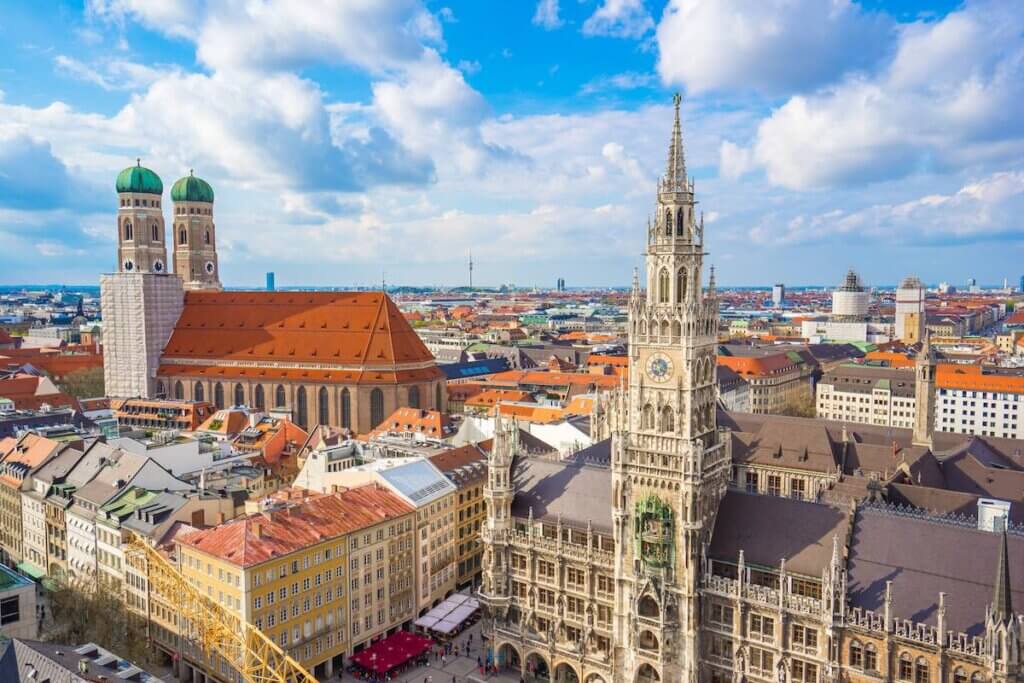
155, 203
301, 412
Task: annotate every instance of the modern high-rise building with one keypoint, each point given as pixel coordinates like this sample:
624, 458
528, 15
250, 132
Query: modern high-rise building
778, 294
270, 282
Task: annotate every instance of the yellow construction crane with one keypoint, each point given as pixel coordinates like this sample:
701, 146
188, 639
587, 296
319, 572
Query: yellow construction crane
257, 658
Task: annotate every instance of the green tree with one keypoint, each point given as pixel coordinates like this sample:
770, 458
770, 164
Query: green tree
801, 405
90, 612
84, 383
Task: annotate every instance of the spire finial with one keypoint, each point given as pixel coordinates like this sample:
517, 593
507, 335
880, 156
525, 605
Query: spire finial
675, 172
1002, 603
138, 161
191, 171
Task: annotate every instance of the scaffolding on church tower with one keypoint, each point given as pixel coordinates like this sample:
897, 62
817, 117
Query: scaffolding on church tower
213, 629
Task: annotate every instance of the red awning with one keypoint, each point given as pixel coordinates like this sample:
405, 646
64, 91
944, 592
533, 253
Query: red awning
393, 651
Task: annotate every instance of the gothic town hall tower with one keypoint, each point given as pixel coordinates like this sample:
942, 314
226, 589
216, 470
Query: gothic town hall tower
670, 464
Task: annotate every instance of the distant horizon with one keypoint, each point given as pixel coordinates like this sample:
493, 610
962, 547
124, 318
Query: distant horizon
487, 288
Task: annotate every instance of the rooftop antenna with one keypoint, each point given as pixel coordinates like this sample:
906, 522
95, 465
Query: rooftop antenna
383, 282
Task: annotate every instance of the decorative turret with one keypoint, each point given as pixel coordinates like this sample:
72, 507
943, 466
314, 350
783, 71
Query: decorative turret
195, 239
140, 221
1002, 625
924, 395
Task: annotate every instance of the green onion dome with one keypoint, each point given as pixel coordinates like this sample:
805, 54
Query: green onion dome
192, 189
138, 178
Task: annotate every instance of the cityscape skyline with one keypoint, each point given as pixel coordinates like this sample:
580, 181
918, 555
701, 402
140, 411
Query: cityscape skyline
334, 159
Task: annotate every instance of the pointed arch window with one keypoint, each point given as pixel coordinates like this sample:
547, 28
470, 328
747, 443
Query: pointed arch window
156, 233
680, 224
207, 237
323, 406
647, 417
668, 419
663, 286
681, 285
668, 222
127, 230
197, 392
300, 407
258, 399
179, 391
279, 397
239, 395
376, 407
414, 397
218, 395
182, 235
346, 408
160, 391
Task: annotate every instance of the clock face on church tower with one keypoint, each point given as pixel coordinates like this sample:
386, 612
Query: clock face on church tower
659, 367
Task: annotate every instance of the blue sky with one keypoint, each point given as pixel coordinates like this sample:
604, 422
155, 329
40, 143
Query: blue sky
350, 139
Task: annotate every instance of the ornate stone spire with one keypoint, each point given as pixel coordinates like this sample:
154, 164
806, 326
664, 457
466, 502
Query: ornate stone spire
1002, 603
675, 170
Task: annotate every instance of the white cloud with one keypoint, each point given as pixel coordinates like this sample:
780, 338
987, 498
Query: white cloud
628, 80
375, 36
111, 74
766, 45
984, 209
469, 66
951, 97
546, 15
734, 161
434, 111
619, 19
174, 17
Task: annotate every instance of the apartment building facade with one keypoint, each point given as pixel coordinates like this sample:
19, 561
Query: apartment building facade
867, 395
319, 575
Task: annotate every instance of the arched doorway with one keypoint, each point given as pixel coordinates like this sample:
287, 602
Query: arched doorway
594, 678
566, 674
508, 658
647, 674
537, 668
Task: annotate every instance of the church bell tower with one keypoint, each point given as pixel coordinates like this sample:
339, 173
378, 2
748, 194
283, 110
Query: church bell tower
670, 464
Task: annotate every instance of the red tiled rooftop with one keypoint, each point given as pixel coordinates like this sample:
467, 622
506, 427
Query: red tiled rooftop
264, 536
342, 328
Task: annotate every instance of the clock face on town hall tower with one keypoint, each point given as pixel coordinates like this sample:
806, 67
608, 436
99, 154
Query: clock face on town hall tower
659, 367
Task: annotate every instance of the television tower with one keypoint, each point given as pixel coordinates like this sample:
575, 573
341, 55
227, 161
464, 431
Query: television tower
471, 269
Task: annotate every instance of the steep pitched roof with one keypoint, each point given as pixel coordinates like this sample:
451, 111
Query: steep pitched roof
332, 328
769, 528
259, 537
922, 558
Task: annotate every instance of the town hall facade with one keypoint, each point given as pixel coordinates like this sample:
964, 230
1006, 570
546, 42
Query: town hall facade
644, 559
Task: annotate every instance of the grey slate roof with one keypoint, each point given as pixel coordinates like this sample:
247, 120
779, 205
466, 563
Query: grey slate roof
924, 557
769, 528
579, 493
54, 663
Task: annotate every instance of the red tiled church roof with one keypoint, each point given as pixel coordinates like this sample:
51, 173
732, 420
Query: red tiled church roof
349, 329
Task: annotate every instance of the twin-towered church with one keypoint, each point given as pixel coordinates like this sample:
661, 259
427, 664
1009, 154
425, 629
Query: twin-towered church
345, 359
